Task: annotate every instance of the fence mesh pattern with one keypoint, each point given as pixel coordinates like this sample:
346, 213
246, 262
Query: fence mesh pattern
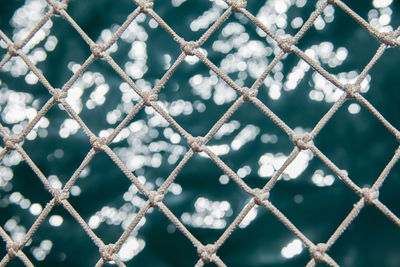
259, 196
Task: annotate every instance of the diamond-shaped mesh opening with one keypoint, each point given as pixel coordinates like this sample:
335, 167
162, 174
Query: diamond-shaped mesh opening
61, 51
349, 124
307, 180
297, 94
342, 54
53, 235
139, 52
94, 95
191, 89
258, 131
204, 209
239, 50
60, 129
56, 228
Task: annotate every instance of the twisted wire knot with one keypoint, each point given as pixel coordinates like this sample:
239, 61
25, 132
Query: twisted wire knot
98, 143
196, 143
249, 94
149, 97
303, 141
318, 252
286, 44
369, 195
10, 142
189, 47
260, 196
60, 195
107, 252
145, 4
12, 49
58, 7
388, 38
59, 95
13, 248
352, 90
238, 4
206, 253
155, 198
97, 50
332, 2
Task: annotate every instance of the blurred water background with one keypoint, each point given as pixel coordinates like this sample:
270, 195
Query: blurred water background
205, 199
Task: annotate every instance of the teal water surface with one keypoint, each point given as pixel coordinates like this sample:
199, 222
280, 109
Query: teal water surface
202, 196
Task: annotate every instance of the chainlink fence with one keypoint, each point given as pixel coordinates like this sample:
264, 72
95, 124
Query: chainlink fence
260, 196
